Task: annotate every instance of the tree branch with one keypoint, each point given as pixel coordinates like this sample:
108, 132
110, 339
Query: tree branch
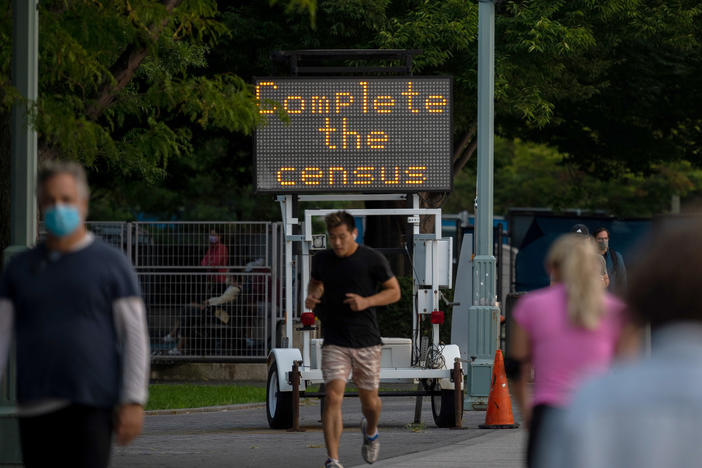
464, 143
460, 164
126, 65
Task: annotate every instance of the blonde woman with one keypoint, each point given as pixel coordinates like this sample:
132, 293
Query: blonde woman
566, 332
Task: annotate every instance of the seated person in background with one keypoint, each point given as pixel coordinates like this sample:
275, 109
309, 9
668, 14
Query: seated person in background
192, 314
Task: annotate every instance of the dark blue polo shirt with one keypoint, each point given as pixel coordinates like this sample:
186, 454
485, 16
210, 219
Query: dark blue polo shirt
64, 324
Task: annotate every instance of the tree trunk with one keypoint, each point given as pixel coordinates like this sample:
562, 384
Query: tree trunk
430, 200
388, 232
126, 66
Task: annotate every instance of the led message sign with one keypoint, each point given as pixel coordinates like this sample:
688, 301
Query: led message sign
354, 135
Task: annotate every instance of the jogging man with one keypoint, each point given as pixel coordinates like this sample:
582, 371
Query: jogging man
343, 291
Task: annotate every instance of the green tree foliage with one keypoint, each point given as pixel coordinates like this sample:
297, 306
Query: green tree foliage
125, 83
536, 175
156, 91
638, 105
128, 89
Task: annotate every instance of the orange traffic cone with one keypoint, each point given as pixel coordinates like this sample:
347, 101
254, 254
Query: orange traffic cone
499, 412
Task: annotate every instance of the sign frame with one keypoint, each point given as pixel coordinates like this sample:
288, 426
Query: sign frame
404, 189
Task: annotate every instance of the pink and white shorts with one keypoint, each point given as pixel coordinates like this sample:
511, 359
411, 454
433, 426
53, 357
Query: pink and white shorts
338, 362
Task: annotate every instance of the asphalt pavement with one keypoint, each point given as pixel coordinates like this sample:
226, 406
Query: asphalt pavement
238, 436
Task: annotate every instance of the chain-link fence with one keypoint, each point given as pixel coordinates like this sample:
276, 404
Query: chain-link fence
213, 290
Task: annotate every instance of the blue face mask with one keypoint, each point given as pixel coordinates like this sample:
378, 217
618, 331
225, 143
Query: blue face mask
62, 220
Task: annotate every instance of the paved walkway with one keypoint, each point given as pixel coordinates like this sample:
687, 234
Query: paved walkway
496, 448
239, 436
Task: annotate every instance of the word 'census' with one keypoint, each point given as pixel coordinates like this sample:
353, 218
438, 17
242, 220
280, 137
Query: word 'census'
357, 101
354, 134
359, 175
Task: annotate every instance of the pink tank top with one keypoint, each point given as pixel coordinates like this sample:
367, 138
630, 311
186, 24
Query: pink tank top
564, 354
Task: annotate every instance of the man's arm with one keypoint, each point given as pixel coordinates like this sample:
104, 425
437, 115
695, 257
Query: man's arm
231, 293
130, 324
315, 290
7, 318
389, 294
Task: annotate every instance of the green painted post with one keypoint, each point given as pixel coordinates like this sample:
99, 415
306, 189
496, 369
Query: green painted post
483, 321
23, 211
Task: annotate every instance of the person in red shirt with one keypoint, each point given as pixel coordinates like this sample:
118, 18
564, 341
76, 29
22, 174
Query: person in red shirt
217, 257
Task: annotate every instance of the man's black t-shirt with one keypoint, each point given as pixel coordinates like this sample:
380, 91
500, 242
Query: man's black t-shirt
359, 273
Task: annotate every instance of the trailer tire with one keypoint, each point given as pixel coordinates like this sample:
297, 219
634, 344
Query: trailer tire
443, 408
278, 404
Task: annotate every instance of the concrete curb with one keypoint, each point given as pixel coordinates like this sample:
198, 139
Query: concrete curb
204, 409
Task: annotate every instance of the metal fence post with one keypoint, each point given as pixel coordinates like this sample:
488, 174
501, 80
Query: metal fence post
129, 241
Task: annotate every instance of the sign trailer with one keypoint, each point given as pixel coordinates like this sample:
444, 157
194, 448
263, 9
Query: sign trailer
381, 138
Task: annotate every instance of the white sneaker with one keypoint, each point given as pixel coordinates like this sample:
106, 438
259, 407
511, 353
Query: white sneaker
168, 339
332, 464
174, 352
370, 447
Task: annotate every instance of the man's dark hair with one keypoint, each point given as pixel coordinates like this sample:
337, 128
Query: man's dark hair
338, 218
665, 282
599, 230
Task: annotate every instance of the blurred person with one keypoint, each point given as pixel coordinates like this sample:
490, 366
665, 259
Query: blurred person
646, 413
583, 230
566, 332
343, 292
73, 304
217, 258
194, 314
614, 262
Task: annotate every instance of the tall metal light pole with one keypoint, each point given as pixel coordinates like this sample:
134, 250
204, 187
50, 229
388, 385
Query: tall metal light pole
483, 316
23, 210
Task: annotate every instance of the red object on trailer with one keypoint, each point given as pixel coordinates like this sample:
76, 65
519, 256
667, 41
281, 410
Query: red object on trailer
307, 319
437, 317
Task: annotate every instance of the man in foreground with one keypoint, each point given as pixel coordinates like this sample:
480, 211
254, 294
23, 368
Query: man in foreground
74, 306
343, 292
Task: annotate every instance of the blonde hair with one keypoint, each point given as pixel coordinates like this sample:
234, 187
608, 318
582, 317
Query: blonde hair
575, 258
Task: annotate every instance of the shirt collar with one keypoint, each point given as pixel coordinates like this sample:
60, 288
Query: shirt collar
87, 239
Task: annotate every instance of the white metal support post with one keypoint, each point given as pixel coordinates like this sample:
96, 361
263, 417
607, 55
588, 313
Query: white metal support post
415, 288
286, 207
274, 286
305, 266
435, 283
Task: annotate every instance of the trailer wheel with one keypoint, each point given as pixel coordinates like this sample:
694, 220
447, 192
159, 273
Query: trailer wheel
443, 408
278, 404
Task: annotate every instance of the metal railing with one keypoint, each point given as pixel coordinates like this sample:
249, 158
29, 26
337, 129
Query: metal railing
179, 270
